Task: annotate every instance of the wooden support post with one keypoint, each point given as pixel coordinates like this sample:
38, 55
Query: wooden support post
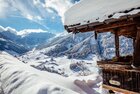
117, 43
134, 39
95, 35
136, 61
98, 45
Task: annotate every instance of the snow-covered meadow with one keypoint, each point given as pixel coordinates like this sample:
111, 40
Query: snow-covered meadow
19, 78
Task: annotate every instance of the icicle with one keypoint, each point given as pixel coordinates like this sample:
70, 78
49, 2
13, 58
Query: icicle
73, 37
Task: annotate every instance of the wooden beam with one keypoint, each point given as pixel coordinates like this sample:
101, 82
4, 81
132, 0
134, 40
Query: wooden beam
119, 89
102, 26
117, 43
128, 31
108, 28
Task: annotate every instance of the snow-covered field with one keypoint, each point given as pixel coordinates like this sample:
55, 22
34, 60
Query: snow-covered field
19, 78
60, 65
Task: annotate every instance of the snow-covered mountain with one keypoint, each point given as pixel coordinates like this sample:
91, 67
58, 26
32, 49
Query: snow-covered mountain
10, 46
106, 45
22, 41
79, 46
84, 46
34, 39
29, 38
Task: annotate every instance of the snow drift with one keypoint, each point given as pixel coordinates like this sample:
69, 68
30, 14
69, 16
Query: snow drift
19, 78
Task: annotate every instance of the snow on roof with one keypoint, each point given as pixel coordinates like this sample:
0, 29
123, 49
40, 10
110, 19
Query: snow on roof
98, 10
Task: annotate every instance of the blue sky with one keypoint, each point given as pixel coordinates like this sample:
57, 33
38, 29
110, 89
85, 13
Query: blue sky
47, 15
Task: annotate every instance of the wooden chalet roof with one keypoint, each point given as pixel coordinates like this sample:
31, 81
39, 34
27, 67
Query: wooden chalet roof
100, 16
126, 25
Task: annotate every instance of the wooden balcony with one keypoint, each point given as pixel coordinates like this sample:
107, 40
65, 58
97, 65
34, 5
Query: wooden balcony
120, 77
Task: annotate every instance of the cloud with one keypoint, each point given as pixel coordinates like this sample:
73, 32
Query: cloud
60, 6
26, 8
30, 9
38, 11
34, 9
3, 8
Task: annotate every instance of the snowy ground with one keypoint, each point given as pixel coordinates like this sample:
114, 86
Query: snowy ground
19, 78
60, 64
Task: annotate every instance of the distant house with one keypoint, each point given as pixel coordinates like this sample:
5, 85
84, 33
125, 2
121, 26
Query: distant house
120, 17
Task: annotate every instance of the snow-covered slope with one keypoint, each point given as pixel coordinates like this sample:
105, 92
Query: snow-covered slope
19, 78
84, 46
79, 46
106, 45
10, 46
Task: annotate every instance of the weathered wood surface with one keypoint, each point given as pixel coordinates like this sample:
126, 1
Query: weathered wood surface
126, 77
119, 89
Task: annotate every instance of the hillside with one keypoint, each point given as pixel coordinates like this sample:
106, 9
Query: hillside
84, 46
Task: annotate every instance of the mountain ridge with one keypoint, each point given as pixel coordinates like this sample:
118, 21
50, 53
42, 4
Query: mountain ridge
26, 42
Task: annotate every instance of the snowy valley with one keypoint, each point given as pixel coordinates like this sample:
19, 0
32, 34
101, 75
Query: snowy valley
67, 56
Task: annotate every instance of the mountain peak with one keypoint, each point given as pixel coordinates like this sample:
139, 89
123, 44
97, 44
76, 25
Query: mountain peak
8, 29
26, 32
